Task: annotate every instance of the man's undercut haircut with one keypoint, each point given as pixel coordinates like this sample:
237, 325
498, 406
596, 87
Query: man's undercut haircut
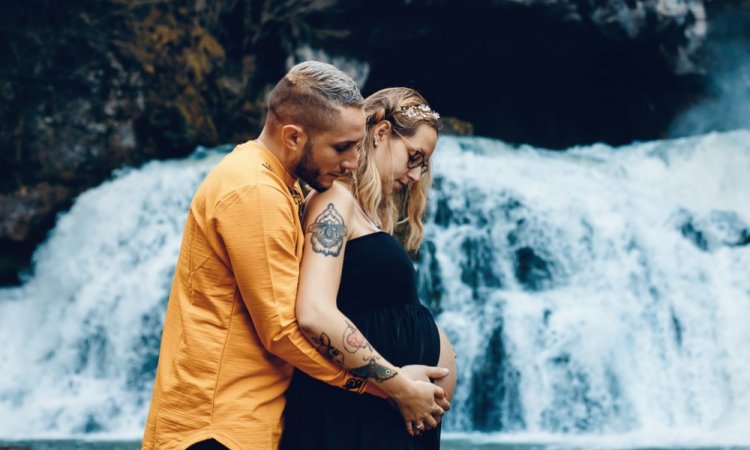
309, 95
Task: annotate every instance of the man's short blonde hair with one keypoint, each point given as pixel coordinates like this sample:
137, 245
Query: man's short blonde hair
310, 94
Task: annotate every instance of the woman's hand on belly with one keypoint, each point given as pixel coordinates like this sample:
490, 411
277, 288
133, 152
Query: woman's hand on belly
427, 374
447, 360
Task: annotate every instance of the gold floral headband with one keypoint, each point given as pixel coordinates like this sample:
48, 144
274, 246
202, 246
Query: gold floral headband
420, 111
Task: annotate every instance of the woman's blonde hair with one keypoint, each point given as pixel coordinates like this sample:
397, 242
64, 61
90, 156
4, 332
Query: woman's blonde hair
401, 212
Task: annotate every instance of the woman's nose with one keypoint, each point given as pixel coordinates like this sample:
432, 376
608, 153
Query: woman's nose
414, 174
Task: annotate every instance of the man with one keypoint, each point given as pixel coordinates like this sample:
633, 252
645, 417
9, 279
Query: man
230, 338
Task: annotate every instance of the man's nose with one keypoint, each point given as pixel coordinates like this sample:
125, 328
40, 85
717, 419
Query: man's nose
350, 163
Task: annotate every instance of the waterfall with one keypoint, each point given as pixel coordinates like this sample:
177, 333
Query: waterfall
596, 291
81, 336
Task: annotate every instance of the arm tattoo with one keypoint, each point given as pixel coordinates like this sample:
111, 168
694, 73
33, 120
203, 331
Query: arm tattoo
355, 382
374, 370
323, 344
328, 232
353, 339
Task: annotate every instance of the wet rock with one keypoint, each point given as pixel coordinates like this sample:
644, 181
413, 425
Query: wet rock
522, 70
97, 85
714, 230
531, 270
429, 278
443, 213
533, 267
22, 211
496, 400
477, 267
456, 127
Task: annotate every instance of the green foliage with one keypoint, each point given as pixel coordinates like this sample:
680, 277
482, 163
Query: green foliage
178, 62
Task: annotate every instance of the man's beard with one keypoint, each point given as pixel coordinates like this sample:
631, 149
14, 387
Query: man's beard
308, 170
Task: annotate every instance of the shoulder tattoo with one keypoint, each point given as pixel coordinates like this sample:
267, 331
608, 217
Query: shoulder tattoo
328, 232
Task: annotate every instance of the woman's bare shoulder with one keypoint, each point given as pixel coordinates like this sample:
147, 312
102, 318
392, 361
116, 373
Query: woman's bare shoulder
336, 199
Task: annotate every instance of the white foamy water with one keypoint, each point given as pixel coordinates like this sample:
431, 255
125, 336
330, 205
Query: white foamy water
596, 292
80, 337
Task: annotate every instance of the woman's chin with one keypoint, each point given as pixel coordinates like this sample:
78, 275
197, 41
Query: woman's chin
392, 188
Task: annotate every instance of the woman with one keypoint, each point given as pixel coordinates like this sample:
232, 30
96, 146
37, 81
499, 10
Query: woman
351, 259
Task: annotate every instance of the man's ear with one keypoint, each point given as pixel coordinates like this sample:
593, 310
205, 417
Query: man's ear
293, 137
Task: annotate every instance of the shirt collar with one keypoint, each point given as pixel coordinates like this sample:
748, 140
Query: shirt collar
274, 164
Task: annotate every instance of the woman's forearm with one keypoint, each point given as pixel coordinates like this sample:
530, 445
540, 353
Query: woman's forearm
336, 337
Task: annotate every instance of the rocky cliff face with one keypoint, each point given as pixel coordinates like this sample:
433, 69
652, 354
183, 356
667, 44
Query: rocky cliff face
553, 73
95, 85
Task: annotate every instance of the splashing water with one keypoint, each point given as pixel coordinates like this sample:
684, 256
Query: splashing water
597, 291
594, 292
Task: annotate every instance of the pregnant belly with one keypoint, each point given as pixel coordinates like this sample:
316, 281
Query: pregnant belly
448, 361
403, 334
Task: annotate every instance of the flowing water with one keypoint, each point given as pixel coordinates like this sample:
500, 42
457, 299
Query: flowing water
596, 297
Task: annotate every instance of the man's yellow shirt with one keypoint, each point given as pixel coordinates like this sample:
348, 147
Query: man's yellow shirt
230, 338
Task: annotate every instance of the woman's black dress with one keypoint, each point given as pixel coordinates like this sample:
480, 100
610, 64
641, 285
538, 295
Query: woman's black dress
378, 294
